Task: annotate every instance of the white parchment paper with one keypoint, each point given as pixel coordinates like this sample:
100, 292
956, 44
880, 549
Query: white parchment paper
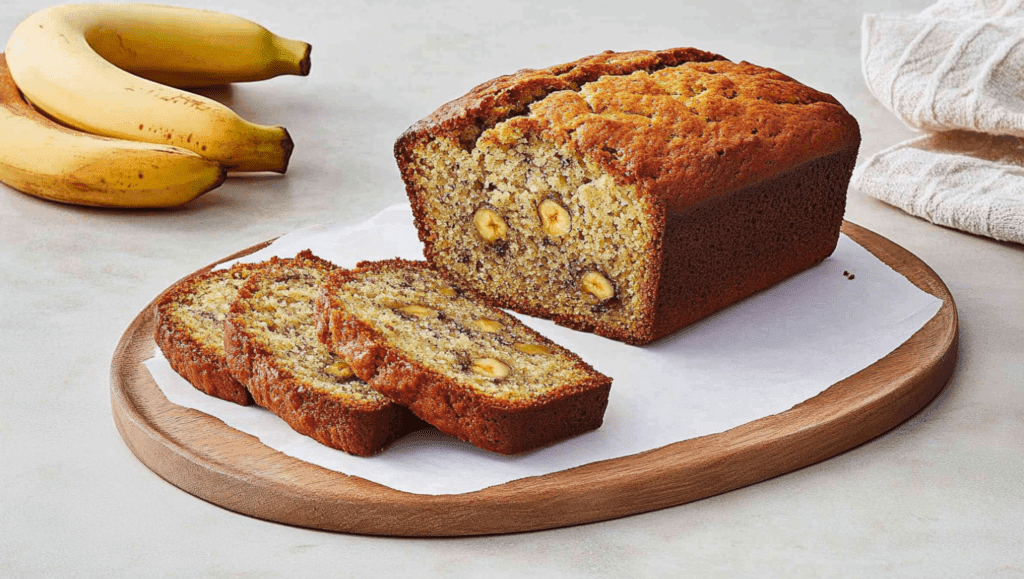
754, 359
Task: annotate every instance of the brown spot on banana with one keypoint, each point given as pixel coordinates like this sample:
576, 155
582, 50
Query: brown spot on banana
52, 161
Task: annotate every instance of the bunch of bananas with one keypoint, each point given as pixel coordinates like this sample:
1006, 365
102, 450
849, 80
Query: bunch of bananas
88, 114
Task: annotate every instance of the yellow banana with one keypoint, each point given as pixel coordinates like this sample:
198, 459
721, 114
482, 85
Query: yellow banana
183, 47
48, 160
80, 64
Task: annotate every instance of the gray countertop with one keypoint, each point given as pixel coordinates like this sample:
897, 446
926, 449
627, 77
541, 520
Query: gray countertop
939, 496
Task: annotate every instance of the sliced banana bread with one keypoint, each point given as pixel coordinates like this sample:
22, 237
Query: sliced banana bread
470, 370
630, 194
272, 347
190, 330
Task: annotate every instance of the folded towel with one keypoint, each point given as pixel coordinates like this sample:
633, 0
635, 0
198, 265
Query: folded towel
956, 72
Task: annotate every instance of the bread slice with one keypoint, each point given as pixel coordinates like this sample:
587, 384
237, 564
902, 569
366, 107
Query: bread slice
272, 347
190, 330
470, 370
630, 194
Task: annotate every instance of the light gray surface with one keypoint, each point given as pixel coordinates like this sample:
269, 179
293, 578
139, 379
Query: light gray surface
940, 496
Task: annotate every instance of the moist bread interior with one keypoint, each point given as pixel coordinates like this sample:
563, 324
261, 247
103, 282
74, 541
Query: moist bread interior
279, 314
436, 325
202, 312
599, 227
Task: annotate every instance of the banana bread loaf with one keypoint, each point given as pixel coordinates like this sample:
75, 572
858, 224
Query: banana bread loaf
272, 347
630, 194
472, 371
190, 330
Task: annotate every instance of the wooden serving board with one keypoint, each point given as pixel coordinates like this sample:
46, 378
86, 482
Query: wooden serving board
203, 456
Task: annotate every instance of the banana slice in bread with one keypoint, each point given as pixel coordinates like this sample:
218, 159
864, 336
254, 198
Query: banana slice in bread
470, 370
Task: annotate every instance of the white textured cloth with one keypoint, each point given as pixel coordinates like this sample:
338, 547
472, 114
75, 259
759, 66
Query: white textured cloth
956, 72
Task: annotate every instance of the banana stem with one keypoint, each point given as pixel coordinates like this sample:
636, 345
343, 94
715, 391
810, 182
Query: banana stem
293, 57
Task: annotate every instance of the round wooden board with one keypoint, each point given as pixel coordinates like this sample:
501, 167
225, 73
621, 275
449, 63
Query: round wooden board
203, 456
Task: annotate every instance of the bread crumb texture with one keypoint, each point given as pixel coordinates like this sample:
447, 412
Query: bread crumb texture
200, 306
554, 222
275, 311
435, 324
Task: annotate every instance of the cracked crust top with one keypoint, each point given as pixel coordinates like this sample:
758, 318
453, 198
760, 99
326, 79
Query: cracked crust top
680, 123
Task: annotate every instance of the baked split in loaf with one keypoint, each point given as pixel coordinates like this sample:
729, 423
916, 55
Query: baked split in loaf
472, 371
272, 347
190, 330
630, 194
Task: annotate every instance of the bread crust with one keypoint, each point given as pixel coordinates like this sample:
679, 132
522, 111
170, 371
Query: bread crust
494, 424
686, 128
359, 427
510, 95
632, 148
730, 247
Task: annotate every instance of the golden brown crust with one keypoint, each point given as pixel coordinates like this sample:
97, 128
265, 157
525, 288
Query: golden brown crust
197, 360
491, 423
361, 427
687, 130
731, 247
682, 123
695, 131
511, 95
